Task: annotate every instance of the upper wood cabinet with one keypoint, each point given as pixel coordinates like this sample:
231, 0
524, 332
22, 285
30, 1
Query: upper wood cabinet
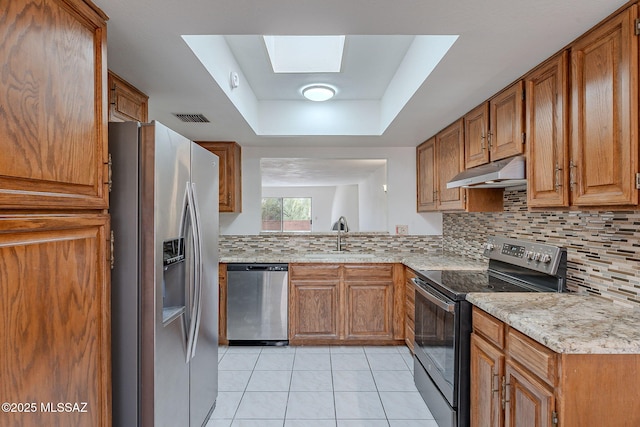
494, 130
476, 136
126, 103
55, 299
426, 175
449, 162
604, 113
53, 134
438, 160
230, 155
506, 129
547, 117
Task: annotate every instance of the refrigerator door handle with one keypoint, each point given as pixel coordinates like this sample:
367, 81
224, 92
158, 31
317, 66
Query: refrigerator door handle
196, 276
183, 232
199, 269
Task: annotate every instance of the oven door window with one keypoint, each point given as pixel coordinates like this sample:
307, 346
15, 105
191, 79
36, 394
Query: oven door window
435, 341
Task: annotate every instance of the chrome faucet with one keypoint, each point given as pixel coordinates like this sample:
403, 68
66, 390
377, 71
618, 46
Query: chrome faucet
342, 223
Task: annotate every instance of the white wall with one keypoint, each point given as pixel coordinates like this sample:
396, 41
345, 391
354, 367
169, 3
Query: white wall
373, 201
321, 202
345, 203
401, 186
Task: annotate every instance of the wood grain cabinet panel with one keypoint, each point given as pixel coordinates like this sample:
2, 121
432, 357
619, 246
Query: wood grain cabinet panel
426, 175
476, 136
126, 102
369, 309
528, 402
222, 308
410, 309
55, 318
230, 154
53, 117
506, 114
547, 124
487, 369
450, 162
314, 311
604, 113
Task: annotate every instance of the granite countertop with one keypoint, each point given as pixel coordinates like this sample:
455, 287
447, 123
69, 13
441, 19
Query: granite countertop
566, 323
424, 261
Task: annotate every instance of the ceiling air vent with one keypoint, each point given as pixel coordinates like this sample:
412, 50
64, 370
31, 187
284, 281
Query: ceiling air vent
192, 118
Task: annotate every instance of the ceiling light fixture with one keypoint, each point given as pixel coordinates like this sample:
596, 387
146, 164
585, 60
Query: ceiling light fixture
318, 92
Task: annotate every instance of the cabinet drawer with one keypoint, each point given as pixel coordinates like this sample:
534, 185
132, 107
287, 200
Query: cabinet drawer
364, 272
489, 327
314, 271
532, 355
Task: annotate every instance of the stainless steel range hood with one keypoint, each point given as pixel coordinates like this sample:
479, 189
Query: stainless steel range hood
500, 174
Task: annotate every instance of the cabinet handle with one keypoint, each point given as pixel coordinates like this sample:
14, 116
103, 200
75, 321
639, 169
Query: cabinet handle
496, 382
572, 179
435, 195
558, 169
490, 137
482, 139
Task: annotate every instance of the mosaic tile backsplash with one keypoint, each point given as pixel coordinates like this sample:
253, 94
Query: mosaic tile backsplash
603, 247
313, 243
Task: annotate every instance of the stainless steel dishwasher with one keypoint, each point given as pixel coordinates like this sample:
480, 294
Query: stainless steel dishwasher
257, 304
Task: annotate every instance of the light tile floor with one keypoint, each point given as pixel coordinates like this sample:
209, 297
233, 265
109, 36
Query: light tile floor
330, 386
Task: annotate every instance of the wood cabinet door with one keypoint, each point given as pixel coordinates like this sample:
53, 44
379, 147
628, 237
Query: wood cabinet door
230, 190
53, 134
126, 103
487, 369
425, 162
450, 162
604, 117
369, 310
547, 118
528, 402
314, 310
410, 308
507, 122
476, 147
55, 319
222, 304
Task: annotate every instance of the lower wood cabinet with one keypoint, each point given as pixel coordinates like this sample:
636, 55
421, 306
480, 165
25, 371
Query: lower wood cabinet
410, 309
516, 381
353, 303
222, 307
55, 319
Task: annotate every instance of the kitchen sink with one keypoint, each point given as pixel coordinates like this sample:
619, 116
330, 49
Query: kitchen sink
339, 255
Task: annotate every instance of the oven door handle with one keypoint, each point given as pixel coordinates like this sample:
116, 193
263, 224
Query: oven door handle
450, 307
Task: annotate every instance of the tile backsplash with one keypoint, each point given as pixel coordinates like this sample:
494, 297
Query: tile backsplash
323, 242
603, 247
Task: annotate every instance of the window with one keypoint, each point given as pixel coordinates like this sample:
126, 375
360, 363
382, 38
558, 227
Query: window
286, 214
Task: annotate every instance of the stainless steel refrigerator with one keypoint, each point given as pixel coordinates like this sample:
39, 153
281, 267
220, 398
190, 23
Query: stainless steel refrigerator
164, 210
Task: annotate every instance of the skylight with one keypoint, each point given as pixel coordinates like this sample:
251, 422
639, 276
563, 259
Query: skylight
305, 54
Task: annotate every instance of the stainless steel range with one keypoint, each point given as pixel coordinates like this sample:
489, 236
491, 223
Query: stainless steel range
443, 317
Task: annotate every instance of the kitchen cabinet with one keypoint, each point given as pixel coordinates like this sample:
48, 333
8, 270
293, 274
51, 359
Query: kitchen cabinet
126, 103
494, 130
506, 128
476, 136
222, 304
597, 164
230, 154
345, 303
547, 124
54, 228
314, 301
53, 133
604, 113
426, 175
517, 381
55, 323
410, 309
438, 160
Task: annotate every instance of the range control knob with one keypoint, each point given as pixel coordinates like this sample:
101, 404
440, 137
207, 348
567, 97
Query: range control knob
536, 256
546, 258
528, 255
